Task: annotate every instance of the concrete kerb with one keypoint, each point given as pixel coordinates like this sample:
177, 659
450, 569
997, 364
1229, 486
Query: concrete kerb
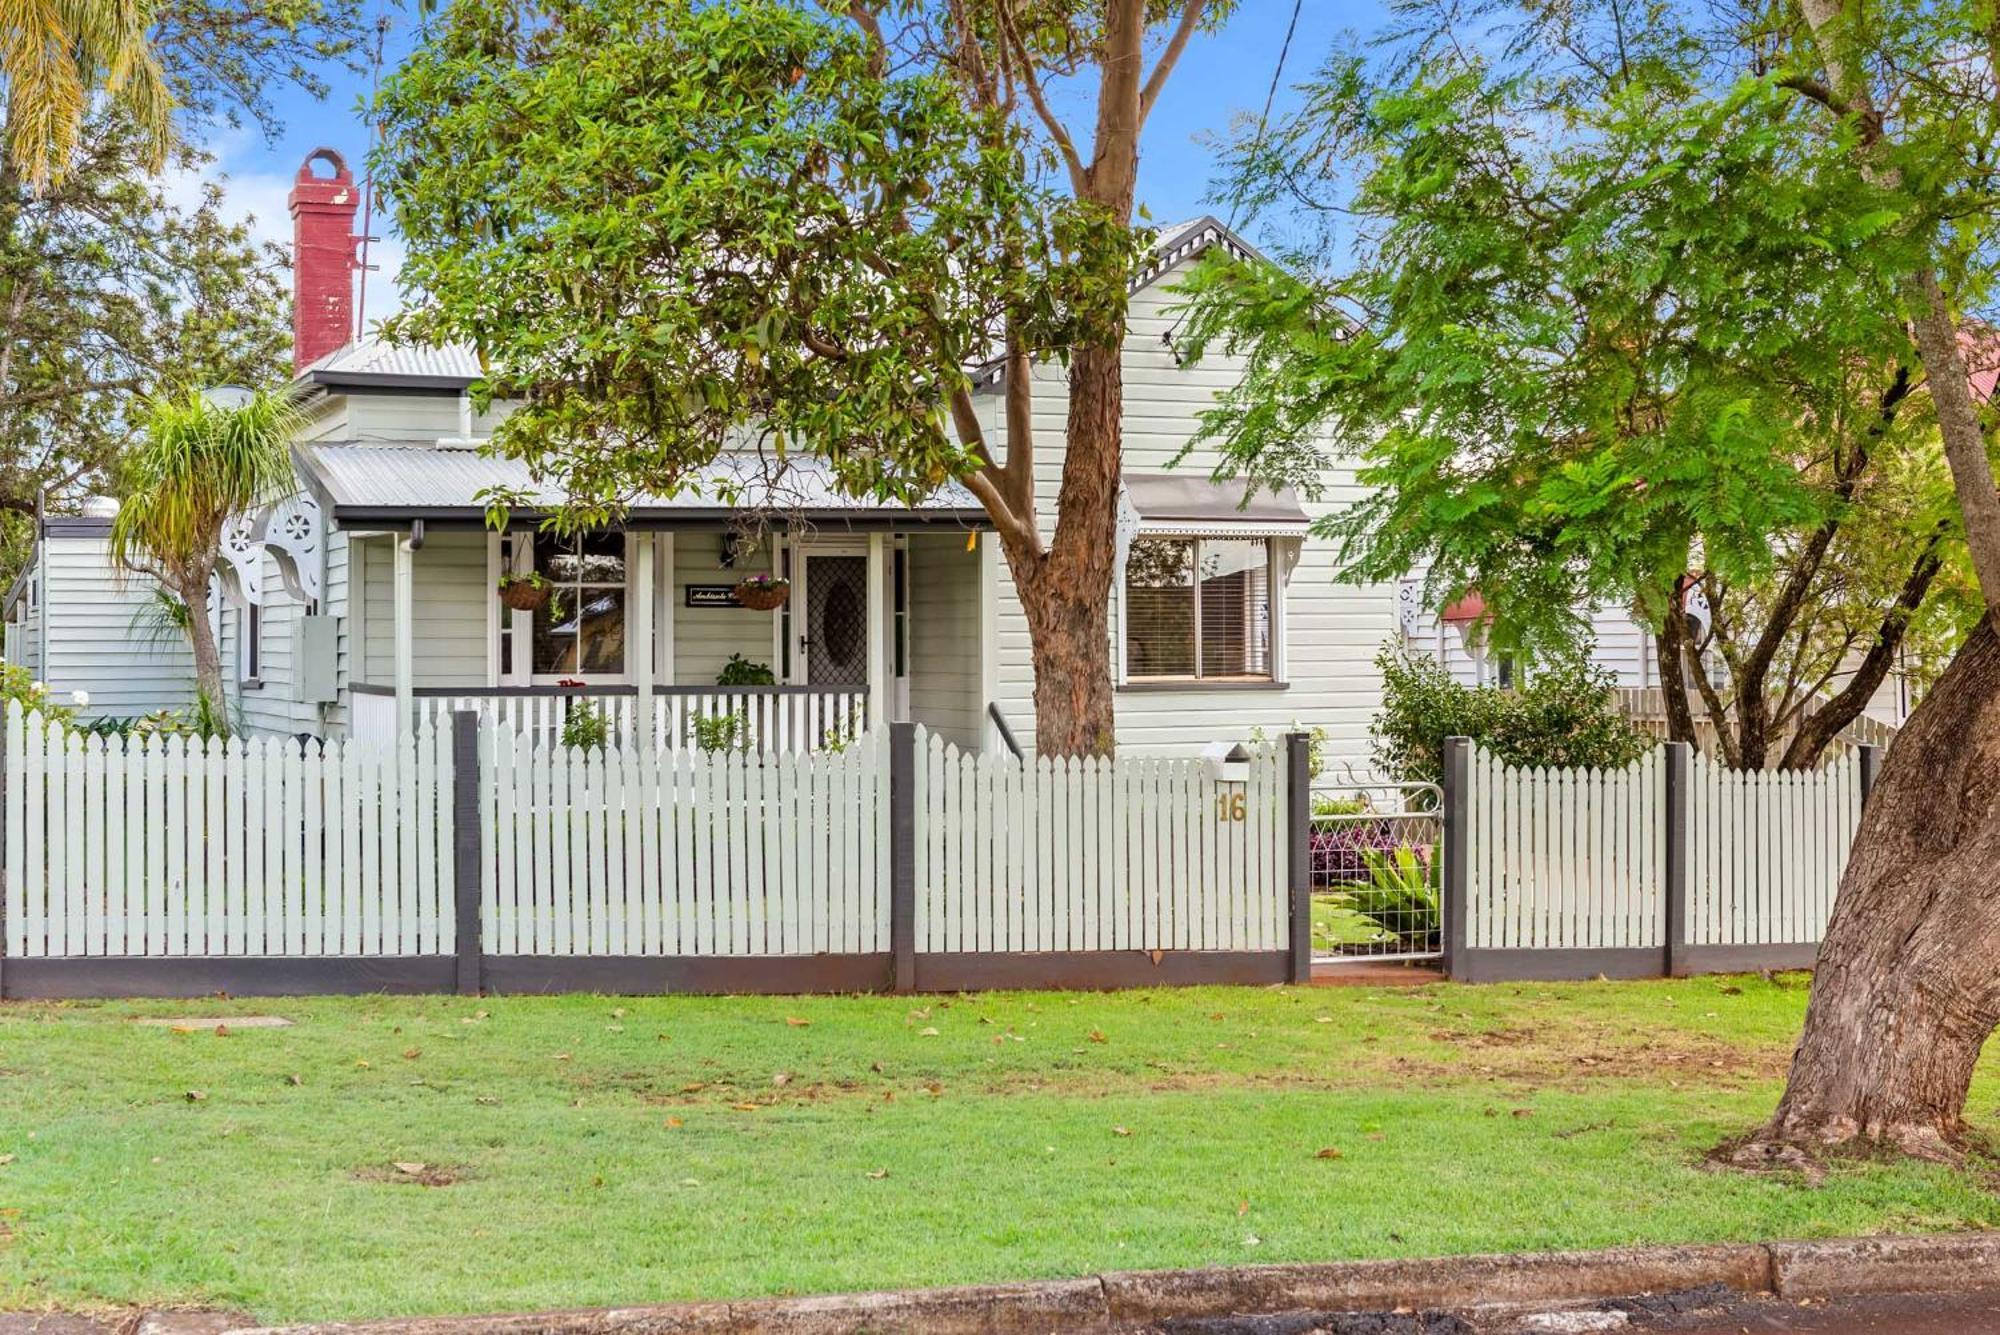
1125, 1301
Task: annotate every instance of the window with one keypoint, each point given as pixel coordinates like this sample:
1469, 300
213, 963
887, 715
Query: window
1199, 608
250, 655
581, 629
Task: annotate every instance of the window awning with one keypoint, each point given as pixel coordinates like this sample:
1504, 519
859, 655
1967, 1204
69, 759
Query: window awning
1198, 506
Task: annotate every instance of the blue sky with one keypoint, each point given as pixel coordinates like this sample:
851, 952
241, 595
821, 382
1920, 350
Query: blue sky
1220, 78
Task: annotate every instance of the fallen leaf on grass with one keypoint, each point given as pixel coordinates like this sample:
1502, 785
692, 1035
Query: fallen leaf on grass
1524, 1112
745, 1107
927, 1032
408, 1169
411, 1054
222, 1031
879, 1174
293, 1080
562, 1056
797, 1021
6, 1159
1121, 1131
195, 1095
1328, 1152
1097, 1036
1242, 1208
781, 1079
363, 1064
675, 1122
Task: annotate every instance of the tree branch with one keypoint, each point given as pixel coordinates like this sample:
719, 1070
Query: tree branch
1190, 20
1079, 179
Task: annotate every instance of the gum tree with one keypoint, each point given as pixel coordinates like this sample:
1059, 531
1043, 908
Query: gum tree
670, 228
1630, 302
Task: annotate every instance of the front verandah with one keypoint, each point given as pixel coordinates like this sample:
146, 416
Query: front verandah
891, 623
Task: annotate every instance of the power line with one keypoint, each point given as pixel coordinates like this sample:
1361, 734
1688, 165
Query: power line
1270, 97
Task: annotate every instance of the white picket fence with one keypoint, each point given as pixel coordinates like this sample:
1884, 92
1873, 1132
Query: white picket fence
637, 851
1766, 849
1565, 859
168, 846
1087, 854
1576, 859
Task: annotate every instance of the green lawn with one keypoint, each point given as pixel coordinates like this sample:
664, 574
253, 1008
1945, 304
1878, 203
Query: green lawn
620, 1151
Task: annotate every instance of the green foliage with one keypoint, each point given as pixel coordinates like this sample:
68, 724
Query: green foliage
1325, 804
18, 686
1401, 894
740, 671
716, 733
1582, 334
197, 467
586, 727
1565, 715
117, 285
818, 249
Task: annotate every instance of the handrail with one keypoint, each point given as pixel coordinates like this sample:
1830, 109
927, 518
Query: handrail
1006, 733
612, 689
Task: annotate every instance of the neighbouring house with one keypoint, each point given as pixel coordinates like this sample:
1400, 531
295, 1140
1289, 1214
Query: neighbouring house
78, 624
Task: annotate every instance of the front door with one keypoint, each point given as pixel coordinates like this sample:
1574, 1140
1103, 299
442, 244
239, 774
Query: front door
833, 629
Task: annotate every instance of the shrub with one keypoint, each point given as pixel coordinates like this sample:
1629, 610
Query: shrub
716, 733
740, 671
585, 727
1565, 715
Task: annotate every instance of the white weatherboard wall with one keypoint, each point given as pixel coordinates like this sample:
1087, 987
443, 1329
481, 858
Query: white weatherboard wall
99, 636
169, 847
1077, 855
944, 636
1332, 630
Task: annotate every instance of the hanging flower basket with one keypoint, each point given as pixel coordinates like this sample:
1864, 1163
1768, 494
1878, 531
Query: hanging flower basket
762, 593
528, 593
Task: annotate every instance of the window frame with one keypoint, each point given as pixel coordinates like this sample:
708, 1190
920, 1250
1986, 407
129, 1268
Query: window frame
524, 645
250, 646
1275, 567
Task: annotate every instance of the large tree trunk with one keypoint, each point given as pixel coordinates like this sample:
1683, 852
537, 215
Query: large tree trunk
1066, 591
1907, 985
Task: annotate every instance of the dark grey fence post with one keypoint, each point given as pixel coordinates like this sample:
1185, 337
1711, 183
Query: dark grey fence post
1298, 830
1457, 832
1871, 769
466, 849
903, 853
4, 720
1679, 757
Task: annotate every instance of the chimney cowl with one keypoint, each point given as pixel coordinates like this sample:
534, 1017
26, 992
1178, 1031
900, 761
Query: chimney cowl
323, 256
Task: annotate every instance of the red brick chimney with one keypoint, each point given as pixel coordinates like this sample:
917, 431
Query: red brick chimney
323, 263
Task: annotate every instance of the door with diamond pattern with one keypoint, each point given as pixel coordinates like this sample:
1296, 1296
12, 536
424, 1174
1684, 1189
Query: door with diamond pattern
834, 642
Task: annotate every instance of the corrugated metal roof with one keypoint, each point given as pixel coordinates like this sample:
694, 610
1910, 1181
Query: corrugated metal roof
424, 478
372, 357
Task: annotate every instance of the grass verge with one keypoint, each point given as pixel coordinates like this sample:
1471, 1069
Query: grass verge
389, 1156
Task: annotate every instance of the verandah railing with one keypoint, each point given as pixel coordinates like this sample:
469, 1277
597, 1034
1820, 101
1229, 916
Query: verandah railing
759, 718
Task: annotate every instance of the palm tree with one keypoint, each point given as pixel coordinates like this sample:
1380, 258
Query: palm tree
196, 466
55, 55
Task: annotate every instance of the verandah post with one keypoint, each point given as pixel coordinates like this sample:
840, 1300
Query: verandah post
466, 846
1457, 834
1298, 839
1679, 759
903, 853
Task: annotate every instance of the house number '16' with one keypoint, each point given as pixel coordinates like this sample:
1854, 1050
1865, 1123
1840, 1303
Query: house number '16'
1230, 806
